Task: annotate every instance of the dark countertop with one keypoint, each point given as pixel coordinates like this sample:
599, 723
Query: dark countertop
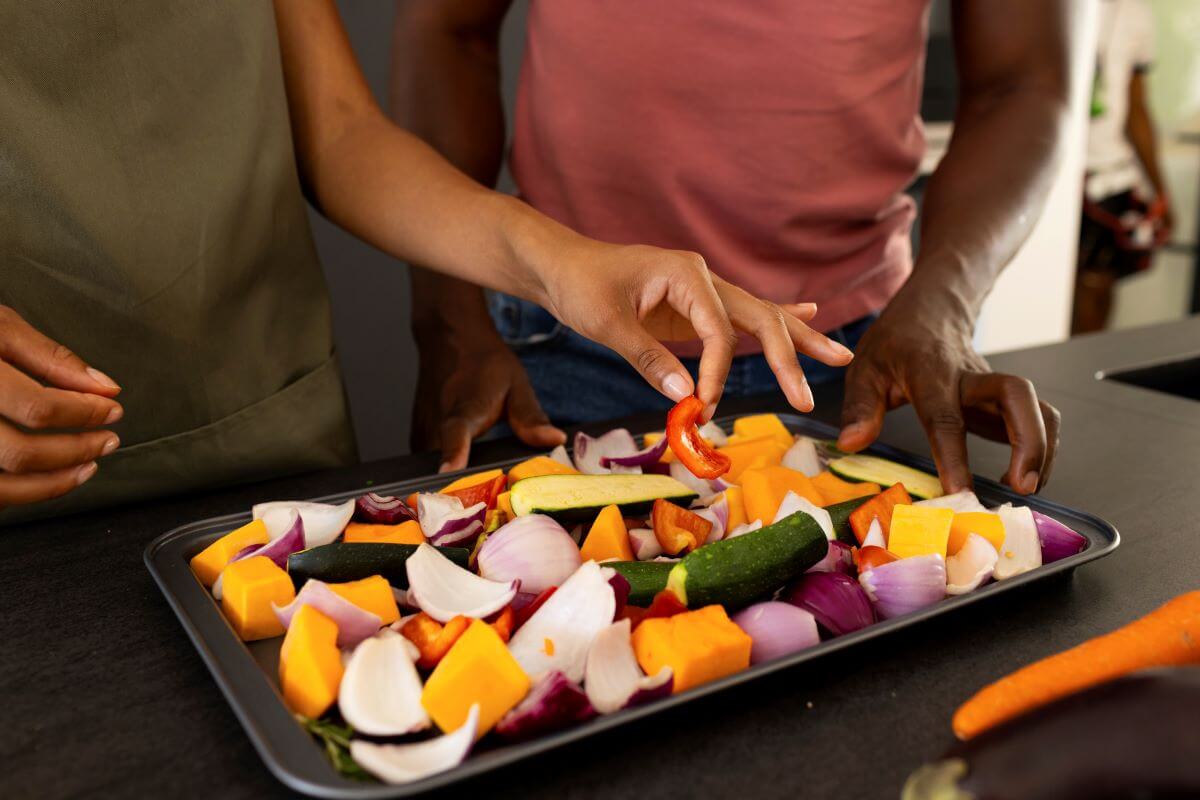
103, 694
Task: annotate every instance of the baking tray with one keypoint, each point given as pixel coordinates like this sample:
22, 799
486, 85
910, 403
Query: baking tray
247, 673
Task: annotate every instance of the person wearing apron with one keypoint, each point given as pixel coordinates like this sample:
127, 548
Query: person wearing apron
152, 223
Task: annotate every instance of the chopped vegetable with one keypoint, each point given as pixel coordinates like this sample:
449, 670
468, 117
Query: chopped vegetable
407, 532
688, 446
505, 622
839, 515
579, 498
486, 493
793, 503
759, 425
1167, 636
560, 455
1022, 550
559, 633
354, 624
446, 521
875, 536
539, 465
716, 511
840, 558
961, 502
444, 590
534, 550
1057, 540
591, 451
919, 531
906, 585
469, 481
405, 763
699, 646
612, 677
647, 456
835, 600
341, 562
478, 671
871, 556
310, 663
251, 587
764, 488
970, 566
607, 539
380, 691
677, 529
880, 506
679, 472
981, 523
835, 490
873, 469
762, 452
645, 578
432, 639
208, 563
553, 703
645, 544
802, 456
372, 594
322, 522
777, 629
664, 604
378, 509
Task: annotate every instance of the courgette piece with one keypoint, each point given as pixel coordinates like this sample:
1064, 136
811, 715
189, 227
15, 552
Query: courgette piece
572, 499
351, 561
736, 572
870, 469
839, 514
646, 578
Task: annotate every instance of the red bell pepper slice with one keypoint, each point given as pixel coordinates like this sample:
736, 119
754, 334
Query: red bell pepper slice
528, 611
880, 506
503, 623
481, 492
870, 557
433, 640
689, 446
677, 529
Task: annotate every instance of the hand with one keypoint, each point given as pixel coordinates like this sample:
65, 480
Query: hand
633, 298
35, 462
470, 385
921, 355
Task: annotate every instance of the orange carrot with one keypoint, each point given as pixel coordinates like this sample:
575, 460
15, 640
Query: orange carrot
1167, 636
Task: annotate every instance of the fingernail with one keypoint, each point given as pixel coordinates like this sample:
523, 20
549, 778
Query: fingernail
806, 396
114, 415
110, 445
675, 386
85, 473
1030, 481
841, 349
102, 379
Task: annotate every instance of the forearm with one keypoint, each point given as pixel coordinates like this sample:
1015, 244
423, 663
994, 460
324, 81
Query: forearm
1143, 137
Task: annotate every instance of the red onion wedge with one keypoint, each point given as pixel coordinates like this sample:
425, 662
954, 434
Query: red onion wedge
1022, 549
559, 634
744, 528
716, 512
380, 693
323, 523
533, 549
679, 472
959, 502
354, 624
840, 558
1057, 540
875, 537
405, 763
793, 502
835, 600
589, 450
971, 566
802, 457
560, 455
612, 678
444, 590
446, 523
554, 702
379, 509
620, 586
277, 550
902, 586
642, 458
777, 629
645, 544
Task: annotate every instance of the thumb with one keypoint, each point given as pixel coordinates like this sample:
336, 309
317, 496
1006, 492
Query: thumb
657, 364
862, 411
529, 422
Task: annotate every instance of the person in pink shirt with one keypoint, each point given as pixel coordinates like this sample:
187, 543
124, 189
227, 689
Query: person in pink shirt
774, 138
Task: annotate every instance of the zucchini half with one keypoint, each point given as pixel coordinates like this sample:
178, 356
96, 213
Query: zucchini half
572, 499
871, 469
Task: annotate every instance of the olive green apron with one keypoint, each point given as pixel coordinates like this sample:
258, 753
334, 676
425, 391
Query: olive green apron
151, 220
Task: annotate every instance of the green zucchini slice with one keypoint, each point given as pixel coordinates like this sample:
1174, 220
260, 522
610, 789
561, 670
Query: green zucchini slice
572, 499
871, 469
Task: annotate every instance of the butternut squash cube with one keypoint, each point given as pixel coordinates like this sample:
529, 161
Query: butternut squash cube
407, 532
467, 481
764, 451
651, 439
984, 523
310, 663
504, 505
737, 507
250, 587
608, 538
699, 646
538, 465
478, 669
208, 563
919, 531
765, 487
835, 490
763, 425
372, 594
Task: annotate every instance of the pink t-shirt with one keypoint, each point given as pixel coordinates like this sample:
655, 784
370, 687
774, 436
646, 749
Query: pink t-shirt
773, 137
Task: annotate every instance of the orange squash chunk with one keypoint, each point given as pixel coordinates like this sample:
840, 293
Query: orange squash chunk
249, 588
763, 425
372, 594
477, 669
984, 523
467, 481
699, 646
538, 465
766, 451
764, 489
208, 563
737, 507
407, 532
835, 490
310, 663
608, 538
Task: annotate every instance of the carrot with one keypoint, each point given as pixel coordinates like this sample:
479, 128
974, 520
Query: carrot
1167, 636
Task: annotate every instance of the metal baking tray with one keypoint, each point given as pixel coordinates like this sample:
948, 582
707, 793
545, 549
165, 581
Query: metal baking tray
247, 673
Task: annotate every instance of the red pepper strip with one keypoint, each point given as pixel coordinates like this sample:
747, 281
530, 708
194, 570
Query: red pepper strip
871, 557
878, 507
664, 604
677, 529
481, 492
433, 640
688, 446
528, 611
632, 613
503, 623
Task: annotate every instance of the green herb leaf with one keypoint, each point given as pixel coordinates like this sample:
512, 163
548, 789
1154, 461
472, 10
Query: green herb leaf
336, 740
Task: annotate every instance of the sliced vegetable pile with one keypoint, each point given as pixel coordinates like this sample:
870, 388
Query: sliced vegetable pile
511, 604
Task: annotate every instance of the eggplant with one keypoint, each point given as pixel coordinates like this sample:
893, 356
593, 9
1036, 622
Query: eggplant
1135, 737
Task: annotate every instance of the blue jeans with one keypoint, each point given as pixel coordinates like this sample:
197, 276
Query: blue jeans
579, 381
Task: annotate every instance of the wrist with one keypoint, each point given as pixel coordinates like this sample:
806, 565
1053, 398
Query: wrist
942, 291
535, 246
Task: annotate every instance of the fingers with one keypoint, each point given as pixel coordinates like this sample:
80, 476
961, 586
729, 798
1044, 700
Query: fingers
939, 409
801, 311
1017, 402
48, 360
466, 420
19, 489
701, 304
527, 418
863, 407
26, 453
817, 345
1053, 422
26, 402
